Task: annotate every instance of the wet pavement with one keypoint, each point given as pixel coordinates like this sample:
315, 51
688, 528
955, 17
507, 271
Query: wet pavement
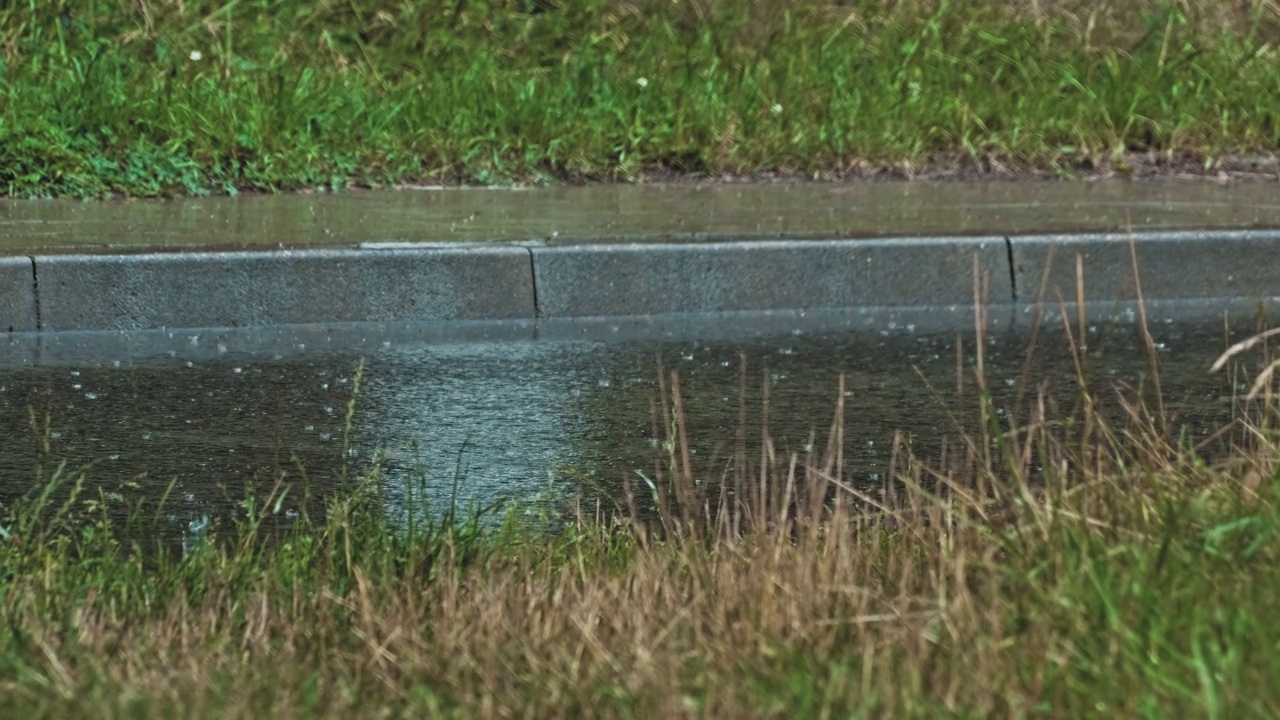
506, 410
656, 213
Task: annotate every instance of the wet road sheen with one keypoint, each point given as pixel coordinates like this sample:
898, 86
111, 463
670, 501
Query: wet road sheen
621, 213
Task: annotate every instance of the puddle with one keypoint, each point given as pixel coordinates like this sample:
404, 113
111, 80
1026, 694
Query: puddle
504, 412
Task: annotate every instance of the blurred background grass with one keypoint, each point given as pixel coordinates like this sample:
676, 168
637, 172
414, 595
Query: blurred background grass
170, 97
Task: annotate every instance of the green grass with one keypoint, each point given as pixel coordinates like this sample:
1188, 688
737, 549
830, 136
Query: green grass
1060, 566
101, 97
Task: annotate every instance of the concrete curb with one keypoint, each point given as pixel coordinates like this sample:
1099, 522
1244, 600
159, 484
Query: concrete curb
230, 289
17, 295
491, 282
647, 279
1172, 265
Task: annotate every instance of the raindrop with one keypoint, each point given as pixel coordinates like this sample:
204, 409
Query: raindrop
222, 348
91, 396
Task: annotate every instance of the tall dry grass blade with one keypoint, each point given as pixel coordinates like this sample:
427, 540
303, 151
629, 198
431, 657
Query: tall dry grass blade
1152, 357
762, 497
1080, 304
1263, 381
980, 370
1037, 317
740, 433
1076, 349
790, 495
1026, 436
677, 399
1240, 347
956, 491
840, 429
888, 509
980, 321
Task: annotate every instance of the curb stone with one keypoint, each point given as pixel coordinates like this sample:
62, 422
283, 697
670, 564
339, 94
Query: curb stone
650, 279
245, 288
1171, 265
17, 295
405, 283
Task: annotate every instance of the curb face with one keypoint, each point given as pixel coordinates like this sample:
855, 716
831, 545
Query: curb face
1171, 265
648, 279
417, 284
129, 292
17, 295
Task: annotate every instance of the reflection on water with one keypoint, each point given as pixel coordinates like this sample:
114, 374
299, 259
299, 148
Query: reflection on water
204, 411
485, 421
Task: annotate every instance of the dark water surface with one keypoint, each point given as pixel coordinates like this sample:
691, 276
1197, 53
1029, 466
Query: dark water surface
506, 408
